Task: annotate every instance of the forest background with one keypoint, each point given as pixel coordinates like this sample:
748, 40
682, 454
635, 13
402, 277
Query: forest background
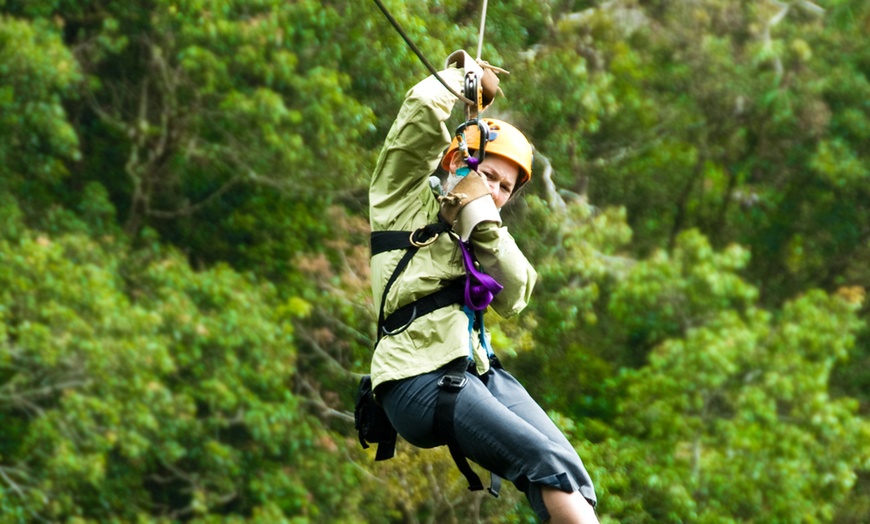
184, 297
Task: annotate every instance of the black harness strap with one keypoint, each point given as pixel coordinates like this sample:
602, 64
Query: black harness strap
401, 318
451, 384
389, 240
411, 241
409, 254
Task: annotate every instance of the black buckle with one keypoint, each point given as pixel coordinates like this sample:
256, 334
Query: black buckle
452, 382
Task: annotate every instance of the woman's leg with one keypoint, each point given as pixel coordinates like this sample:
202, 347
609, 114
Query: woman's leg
568, 508
410, 406
505, 431
514, 396
500, 427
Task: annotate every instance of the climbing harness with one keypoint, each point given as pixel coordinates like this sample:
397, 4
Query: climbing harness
401, 319
474, 292
370, 420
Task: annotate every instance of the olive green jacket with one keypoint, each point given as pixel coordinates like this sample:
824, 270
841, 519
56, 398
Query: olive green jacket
400, 199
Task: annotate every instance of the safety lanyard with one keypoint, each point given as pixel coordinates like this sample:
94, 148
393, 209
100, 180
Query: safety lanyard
476, 317
480, 290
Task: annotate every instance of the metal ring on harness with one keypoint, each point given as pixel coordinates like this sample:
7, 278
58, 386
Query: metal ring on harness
401, 328
424, 243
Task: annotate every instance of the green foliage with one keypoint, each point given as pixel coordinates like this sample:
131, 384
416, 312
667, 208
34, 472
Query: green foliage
745, 396
132, 386
669, 293
576, 250
184, 286
36, 70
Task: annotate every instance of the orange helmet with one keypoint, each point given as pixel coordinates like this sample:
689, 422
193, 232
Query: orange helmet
504, 140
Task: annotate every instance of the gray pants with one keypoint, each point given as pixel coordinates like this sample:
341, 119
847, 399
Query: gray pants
498, 426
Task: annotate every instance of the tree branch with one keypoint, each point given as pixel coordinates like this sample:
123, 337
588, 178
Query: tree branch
326, 356
11, 483
553, 198
42, 391
361, 337
190, 209
319, 403
330, 412
20, 492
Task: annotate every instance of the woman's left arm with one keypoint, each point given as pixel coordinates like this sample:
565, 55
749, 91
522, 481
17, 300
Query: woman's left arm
501, 258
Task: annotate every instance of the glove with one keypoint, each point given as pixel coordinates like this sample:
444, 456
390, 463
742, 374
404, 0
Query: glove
485, 73
469, 204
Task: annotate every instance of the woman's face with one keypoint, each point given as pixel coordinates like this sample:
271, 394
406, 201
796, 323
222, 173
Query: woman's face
501, 175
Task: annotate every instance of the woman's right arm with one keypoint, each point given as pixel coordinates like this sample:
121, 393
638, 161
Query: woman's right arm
412, 151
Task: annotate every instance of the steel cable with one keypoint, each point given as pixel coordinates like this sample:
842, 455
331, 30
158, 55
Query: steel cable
423, 58
482, 25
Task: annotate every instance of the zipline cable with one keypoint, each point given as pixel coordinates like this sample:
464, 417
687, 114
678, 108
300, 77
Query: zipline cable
423, 58
482, 25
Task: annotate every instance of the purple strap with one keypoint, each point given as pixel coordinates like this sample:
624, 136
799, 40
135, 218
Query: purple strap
480, 288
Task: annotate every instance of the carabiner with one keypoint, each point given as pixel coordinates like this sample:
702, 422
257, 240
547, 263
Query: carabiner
474, 160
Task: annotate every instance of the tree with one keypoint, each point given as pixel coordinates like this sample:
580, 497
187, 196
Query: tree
184, 302
36, 139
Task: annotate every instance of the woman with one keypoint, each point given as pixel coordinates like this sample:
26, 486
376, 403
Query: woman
494, 421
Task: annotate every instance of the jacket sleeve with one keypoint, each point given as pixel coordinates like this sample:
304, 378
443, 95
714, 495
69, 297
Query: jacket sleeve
501, 258
411, 153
